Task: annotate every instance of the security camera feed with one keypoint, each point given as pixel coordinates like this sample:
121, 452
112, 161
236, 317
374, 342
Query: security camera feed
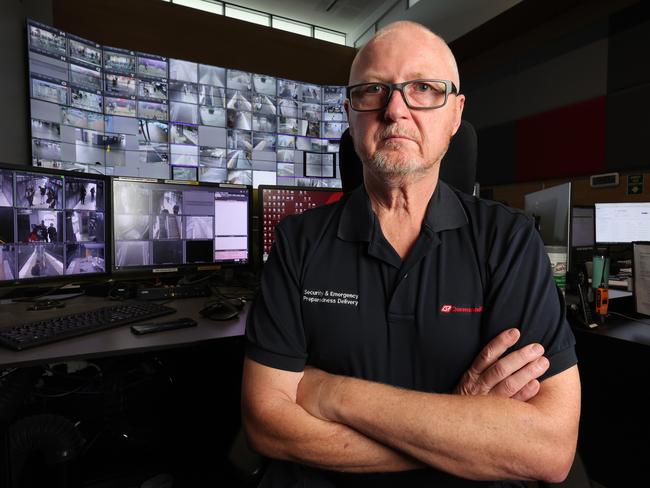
130, 97
278, 202
51, 224
163, 224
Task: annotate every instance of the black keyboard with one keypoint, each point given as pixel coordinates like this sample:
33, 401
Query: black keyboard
31, 334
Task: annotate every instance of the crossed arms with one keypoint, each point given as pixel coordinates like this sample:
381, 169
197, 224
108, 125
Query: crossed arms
501, 423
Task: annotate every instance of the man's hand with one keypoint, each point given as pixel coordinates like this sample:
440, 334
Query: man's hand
512, 376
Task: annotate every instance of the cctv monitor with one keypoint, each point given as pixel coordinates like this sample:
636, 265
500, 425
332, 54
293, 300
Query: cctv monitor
622, 222
52, 225
166, 226
277, 202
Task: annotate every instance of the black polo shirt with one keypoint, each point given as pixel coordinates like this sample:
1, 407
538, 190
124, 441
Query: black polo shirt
335, 295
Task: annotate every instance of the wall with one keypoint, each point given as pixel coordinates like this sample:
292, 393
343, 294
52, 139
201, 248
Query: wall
563, 94
156, 27
14, 122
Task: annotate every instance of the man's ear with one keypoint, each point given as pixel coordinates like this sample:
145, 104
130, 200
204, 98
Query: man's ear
346, 106
460, 105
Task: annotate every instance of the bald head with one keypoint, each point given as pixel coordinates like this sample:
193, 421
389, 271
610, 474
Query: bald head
404, 33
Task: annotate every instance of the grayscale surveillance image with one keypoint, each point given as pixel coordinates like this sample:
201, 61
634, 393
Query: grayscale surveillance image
212, 116
46, 130
333, 113
199, 227
39, 226
85, 52
263, 142
310, 93
183, 112
289, 89
264, 123
42, 149
7, 262
131, 198
120, 85
287, 125
39, 191
85, 258
167, 252
83, 194
289, 108
311, 112
155, 89
153, 131
238, 120
120, 106
286, 169
132, 227
84, 226
118, 62
212, 96
49, 91
239, 159
133, 253
286, 141
334, 95
183, 91
39, 260
212, 156
213, 175
85, 77
238, 80
264, 104
183, 173
212, 75
183, 70
239, 100
263, 84
46, 40
152, 152
6, 190
238, 139
86, 100
184, 134
151, 110
239, 177
152, 67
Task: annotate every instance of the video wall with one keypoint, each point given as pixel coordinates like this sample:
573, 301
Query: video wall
102, 109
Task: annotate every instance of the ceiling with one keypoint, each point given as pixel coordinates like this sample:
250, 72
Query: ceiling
449, 18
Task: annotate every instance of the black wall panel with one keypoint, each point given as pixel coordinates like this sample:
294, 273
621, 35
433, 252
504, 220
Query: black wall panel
496, 154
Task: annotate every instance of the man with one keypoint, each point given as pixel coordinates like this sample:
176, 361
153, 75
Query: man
396, 338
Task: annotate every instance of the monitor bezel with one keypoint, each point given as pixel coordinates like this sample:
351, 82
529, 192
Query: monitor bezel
161, 271
260, 210
108, 242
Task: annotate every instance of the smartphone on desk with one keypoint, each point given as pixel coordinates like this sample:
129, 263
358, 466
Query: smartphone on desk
141, 329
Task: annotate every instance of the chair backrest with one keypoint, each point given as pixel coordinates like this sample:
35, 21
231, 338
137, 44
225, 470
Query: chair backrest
458, 166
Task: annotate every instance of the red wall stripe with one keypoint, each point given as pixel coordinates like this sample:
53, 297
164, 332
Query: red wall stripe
568, 141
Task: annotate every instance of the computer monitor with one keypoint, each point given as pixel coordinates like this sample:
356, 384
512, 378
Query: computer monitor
52, 224
551, 209
276, 202
582, 227
164, 225
622, 222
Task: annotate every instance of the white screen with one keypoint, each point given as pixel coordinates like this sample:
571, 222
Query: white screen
622, 222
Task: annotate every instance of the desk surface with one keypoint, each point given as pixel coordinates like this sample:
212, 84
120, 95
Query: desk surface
115, 341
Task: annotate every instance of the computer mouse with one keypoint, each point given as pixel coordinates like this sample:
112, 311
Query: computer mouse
219, 310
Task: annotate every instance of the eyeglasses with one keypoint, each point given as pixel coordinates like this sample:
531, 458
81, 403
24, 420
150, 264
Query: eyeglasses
417, 94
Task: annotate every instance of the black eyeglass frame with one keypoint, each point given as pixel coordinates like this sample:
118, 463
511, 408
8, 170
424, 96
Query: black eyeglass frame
450, 89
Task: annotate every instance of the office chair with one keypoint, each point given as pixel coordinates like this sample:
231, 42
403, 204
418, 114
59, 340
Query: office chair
458, 166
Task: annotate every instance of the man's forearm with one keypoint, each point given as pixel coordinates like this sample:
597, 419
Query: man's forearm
478, 437
284, 430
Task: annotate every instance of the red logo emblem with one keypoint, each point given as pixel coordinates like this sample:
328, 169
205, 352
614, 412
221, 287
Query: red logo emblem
455, 309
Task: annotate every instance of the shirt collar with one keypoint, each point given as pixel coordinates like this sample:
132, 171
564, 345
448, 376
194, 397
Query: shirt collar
444, 212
